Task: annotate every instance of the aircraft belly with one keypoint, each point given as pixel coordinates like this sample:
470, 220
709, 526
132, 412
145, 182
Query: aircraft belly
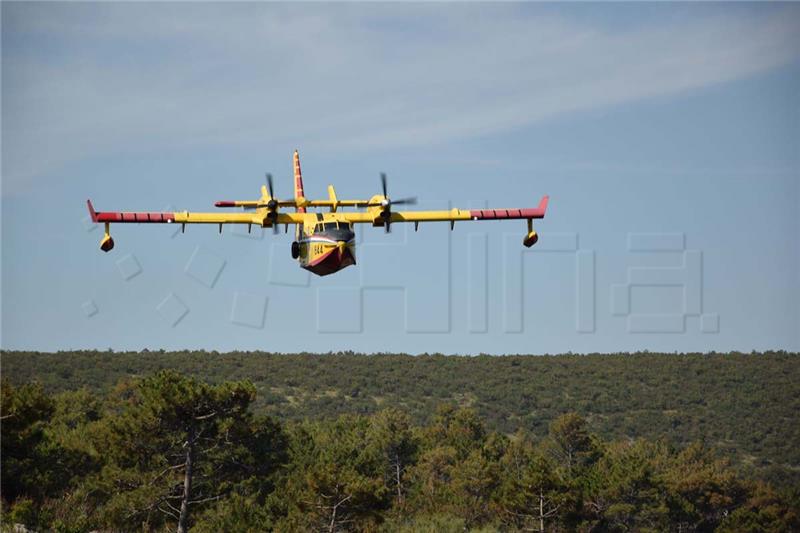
326, 258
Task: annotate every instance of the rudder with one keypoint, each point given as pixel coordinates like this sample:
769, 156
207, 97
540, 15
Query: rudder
299, 194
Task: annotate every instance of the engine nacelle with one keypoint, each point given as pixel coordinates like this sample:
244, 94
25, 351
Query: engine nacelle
530, 239
107, 243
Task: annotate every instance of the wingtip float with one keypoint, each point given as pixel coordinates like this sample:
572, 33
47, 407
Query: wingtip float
324, 242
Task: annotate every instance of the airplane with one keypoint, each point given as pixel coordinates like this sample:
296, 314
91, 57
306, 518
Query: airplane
324, 242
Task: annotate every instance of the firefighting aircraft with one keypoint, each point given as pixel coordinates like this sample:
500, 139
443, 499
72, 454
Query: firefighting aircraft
324, 243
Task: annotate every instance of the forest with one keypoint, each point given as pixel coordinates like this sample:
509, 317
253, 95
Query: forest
255, 441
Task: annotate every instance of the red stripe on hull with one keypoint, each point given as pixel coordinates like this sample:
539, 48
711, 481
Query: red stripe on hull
331, 262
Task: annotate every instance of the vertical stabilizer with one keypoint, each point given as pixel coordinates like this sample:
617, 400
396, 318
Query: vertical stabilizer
298, 182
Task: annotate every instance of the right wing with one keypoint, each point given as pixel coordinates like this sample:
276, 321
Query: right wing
259, 217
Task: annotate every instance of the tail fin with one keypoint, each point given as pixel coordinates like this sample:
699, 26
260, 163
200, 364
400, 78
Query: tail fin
298, 181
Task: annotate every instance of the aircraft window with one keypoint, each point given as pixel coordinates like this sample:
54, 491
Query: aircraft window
331, 225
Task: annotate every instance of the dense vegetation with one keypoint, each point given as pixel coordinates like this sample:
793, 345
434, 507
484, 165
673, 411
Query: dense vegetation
169, 451
745, 405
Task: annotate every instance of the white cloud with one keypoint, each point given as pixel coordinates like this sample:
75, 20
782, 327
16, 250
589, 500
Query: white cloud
82, 82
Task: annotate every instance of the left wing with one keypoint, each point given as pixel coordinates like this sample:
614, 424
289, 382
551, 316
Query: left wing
472, 214
385, 217
377, 214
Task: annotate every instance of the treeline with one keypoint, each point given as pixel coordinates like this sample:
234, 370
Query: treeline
745, 405
168, 452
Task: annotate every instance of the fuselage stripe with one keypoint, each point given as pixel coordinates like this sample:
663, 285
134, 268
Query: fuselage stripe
323, 239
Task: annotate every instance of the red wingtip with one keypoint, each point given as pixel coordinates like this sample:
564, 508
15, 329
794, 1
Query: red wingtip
225, 203
543, 204
92, 212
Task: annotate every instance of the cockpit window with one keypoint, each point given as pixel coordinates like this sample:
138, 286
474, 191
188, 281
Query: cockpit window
327, 226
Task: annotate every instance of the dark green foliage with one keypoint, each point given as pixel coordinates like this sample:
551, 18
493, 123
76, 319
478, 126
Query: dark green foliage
235, 513
24, 447
624, 490
391, 433
114, 456
570, 444
170, 431
764, 511
37, 460
532, 494
745, 405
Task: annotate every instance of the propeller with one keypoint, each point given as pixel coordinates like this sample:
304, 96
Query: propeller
272, 204
387, 204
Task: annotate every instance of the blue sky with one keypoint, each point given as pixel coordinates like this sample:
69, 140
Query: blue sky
672, 126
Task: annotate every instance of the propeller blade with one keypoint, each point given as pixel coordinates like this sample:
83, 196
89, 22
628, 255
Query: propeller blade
412, 200
272, 204
270, 190
387, 204
402, 201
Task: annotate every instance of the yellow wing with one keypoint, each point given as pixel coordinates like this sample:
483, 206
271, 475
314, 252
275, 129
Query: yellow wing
267, 216
377, 216
382, 216
261, 216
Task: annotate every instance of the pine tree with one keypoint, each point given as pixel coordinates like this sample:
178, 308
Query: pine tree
175, 444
